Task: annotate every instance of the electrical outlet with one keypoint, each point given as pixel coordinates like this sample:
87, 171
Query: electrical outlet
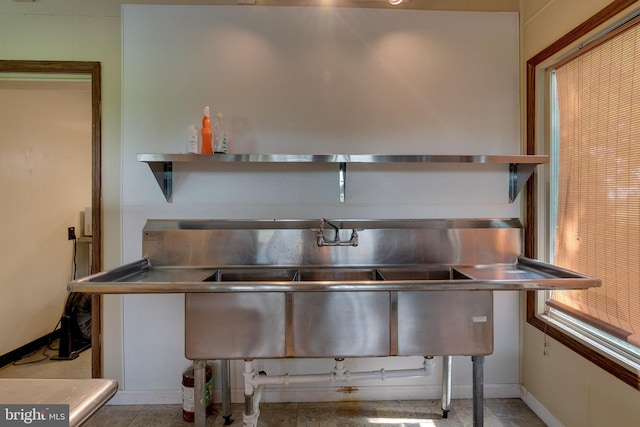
71, 232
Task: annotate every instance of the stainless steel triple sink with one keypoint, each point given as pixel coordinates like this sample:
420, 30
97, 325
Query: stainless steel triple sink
352, 315
335, 274
294, 288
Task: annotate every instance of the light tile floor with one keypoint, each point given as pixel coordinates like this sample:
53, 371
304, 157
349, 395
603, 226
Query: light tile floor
39, 365
419, 413
415, 413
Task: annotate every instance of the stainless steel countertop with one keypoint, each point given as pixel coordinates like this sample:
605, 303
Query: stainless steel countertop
84, 396
140, 278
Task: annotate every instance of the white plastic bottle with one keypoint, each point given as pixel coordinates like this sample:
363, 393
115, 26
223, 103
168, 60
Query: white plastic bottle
192, 140
219, 135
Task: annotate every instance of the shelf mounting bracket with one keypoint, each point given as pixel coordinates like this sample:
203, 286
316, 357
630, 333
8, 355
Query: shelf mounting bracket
342, 180
519, 174
163, 172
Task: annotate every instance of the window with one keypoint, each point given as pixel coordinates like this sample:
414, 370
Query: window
595, 169
593, 202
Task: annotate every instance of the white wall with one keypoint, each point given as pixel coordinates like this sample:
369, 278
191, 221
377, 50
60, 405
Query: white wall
91, 30
45, 170
568, 389
307, 80
83, 31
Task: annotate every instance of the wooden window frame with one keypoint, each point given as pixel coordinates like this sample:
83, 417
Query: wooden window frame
609, 12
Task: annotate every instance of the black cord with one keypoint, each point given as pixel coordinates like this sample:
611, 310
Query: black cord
44, 357
75, 246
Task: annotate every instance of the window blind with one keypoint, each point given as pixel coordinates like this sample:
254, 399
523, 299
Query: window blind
598, 189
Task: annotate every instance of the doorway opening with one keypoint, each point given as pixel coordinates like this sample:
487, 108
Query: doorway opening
91, 72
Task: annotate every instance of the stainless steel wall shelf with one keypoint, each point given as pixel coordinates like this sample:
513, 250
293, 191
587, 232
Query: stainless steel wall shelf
520, 166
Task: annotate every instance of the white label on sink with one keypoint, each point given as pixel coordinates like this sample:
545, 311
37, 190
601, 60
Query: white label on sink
479, 319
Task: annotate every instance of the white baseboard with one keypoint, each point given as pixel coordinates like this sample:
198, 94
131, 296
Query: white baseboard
322, 394
147, 397
538, 409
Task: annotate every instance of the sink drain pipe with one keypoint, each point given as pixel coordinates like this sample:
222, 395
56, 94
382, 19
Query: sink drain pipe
255, 381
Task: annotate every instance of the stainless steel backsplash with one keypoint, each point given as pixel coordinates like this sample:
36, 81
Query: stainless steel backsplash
293, 242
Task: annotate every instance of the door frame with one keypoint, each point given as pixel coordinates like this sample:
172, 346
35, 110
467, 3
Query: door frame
93, 69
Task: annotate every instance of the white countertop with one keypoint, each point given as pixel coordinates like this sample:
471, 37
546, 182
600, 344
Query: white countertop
84, 396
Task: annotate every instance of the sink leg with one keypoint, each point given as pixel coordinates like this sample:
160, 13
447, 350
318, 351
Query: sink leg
446, 385
478, 390
199, 407
226, 391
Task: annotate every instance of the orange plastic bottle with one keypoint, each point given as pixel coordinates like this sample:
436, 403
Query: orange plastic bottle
207, 148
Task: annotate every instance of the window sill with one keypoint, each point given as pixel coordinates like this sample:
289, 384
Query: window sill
619, 366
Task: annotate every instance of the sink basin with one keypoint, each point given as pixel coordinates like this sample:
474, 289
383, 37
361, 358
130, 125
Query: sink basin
421, 273
339, 274
253, 275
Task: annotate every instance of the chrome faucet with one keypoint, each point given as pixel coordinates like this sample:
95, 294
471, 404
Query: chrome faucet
322, 241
